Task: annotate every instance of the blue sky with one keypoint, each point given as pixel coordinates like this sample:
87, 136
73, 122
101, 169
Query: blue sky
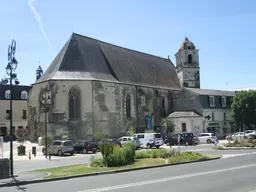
224, 31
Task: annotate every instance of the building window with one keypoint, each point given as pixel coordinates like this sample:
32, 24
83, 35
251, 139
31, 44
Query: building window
223, 101
74, 103
163, 103
211, 99
190, 58
8, 114
128, 106
183, 127
24, 95
213, 117
24, 114
188, 47
224, 116
7, 94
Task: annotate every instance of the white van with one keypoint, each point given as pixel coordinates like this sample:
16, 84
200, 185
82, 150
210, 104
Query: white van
149, 140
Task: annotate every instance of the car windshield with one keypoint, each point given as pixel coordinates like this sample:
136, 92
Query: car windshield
158, 135
67, 143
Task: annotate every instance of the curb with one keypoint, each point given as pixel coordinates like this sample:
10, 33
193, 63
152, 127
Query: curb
236, 148
18, 183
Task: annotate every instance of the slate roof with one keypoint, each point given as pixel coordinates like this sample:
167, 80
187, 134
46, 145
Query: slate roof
16, 91
181, 114
211, 92
84, 58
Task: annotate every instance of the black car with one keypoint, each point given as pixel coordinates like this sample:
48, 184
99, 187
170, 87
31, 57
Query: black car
85, 147
186, 138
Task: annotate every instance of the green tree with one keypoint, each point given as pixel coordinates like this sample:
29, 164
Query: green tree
243, 108
169, 125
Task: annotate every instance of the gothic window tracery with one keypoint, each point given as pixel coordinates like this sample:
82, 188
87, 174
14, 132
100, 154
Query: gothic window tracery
74, 103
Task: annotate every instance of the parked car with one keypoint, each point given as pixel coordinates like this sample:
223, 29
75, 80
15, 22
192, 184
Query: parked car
206, 137
186, 138
85, 147
149, 140
58, 147
251, 136
125, 140
249, 132
196, 140
237, 136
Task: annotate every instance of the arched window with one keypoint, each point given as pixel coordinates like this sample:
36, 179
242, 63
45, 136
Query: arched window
74, 103
128, 105
190, 58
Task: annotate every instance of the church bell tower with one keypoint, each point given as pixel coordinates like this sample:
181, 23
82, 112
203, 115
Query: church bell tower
187, 65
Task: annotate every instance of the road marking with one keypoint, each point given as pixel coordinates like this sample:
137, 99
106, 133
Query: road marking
136, 184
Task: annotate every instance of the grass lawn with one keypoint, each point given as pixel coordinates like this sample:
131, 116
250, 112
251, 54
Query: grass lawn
84, 168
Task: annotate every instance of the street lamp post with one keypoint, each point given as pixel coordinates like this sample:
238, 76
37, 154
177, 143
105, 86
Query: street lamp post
10, 68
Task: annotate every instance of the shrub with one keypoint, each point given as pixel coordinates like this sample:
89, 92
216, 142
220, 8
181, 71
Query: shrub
114, 155
143, 155
64, 137
49, 140
186, 156
157, 153
96, 162
100, 135
242, 143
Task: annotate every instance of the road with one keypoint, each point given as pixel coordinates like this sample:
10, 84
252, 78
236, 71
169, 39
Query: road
231, 174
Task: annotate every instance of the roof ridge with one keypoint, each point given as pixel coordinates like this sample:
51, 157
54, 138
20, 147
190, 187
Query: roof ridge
209, 89
120, 46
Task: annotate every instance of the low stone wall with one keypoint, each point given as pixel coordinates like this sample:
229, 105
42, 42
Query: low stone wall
4, 168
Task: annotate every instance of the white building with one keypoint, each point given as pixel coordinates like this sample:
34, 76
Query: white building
19, 95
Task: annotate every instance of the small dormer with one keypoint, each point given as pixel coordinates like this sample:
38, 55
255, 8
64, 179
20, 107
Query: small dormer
24, 95
7, 94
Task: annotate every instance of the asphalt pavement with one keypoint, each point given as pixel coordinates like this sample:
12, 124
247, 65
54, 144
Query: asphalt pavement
230, 174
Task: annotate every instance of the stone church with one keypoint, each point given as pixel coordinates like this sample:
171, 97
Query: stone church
93, 86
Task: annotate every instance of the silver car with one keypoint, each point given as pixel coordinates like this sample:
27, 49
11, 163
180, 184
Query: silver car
59, 147
125, 140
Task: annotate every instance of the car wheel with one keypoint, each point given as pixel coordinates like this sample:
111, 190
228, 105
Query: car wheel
148, 146
157, 147
84, 151
209, 141
94, 151
43, 151
60, 153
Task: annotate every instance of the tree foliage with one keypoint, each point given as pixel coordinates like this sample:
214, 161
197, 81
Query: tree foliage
244, 108
169, 125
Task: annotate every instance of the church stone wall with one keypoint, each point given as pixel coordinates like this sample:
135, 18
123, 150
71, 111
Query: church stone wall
103, 109
57, 115
186, 100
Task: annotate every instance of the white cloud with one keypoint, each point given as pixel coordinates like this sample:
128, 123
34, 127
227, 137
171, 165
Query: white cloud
39, 20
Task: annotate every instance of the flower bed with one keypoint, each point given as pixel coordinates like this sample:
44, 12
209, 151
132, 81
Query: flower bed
242, 143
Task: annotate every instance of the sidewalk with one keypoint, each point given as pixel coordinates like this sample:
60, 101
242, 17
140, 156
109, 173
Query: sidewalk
29, 145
